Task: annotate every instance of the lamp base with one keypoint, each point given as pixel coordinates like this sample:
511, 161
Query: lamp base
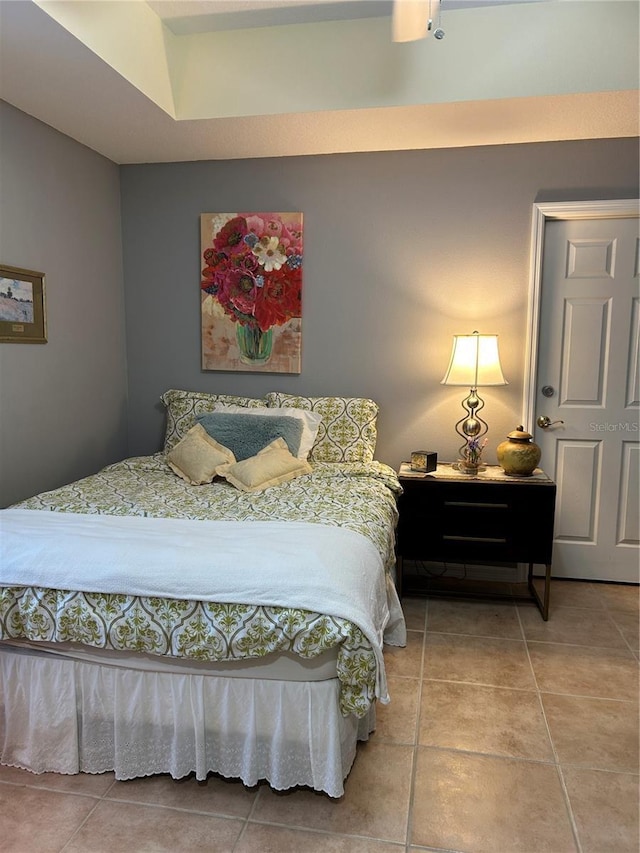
471, 427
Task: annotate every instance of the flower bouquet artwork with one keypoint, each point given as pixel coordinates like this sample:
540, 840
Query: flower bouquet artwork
251, 289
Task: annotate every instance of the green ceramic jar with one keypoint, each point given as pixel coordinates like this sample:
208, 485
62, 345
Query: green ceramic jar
519, 454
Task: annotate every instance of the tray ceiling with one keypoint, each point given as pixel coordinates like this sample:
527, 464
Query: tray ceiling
170, 81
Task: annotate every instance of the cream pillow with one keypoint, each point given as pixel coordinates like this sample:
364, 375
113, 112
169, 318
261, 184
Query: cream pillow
196, 457
270, 467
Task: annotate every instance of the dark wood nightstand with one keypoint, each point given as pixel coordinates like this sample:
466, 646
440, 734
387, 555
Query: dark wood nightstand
451, 517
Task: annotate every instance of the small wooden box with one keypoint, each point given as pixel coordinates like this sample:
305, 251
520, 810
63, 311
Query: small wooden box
424, 461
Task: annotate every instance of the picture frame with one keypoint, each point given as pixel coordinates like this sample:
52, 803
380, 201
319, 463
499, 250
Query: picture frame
23, 314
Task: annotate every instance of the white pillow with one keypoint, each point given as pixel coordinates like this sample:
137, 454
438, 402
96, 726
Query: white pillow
310, 422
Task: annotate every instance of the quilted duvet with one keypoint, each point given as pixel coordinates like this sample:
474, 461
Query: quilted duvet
359, 496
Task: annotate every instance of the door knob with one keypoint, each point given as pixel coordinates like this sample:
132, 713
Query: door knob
545, 422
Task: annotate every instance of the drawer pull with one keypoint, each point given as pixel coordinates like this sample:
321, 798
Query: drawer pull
473, 539
476, 504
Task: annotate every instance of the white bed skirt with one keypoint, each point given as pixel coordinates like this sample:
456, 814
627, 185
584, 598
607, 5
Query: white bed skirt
62, 715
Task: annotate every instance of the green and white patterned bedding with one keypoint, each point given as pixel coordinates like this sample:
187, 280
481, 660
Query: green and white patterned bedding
357, 496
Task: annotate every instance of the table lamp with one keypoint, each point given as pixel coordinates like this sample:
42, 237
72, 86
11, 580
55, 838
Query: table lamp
475, 361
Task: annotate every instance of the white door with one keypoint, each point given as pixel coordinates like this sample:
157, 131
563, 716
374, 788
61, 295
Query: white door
587, 376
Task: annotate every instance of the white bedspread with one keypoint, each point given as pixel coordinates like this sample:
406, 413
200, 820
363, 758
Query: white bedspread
292, 564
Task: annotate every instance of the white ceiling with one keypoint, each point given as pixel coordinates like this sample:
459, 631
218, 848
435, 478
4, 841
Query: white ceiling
175, 80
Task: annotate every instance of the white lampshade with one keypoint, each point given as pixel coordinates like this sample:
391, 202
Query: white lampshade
475, 361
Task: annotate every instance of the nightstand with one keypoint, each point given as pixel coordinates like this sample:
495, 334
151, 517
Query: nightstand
449, 517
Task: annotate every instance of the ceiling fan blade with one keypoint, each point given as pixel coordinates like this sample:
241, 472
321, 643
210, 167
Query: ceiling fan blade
411, 18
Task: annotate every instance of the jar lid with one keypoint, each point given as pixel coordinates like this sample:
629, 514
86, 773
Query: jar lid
520, 434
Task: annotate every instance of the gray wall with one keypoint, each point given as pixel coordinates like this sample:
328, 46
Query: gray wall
402, 250
63, 403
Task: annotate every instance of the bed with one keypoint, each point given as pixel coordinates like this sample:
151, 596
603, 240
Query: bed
211, 608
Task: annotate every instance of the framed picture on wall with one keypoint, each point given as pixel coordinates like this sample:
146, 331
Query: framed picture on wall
251, 291
23, 317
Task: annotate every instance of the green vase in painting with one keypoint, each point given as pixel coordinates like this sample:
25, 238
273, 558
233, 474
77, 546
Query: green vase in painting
254, 344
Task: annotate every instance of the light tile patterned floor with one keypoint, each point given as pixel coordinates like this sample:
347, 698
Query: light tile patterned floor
505, 734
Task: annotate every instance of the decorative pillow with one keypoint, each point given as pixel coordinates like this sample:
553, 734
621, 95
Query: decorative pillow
310, 422
245, 435
196, 457
272, 466
183, 406
348, 430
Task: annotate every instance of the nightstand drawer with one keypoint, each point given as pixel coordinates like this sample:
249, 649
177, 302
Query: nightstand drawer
468, 549
448, 544
481, 519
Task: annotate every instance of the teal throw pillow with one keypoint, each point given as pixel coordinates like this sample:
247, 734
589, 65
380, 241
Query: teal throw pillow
246, 435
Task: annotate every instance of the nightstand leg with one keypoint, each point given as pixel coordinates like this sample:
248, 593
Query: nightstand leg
543, 603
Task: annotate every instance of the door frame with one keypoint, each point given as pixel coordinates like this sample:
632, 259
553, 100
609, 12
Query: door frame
542, 213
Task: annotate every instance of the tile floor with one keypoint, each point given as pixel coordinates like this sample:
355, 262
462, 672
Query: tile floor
505, 735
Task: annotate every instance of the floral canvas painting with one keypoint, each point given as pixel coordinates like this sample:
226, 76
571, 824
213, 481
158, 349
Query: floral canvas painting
251, 291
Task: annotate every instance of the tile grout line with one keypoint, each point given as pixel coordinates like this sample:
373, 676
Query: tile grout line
589, 697
561, 779
514, 688
314, 830
416, 733
180, 809
47, 788
246, 821
633, 651
79, 827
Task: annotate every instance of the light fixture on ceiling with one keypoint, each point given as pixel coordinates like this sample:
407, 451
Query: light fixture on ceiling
415, 19
475, 361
